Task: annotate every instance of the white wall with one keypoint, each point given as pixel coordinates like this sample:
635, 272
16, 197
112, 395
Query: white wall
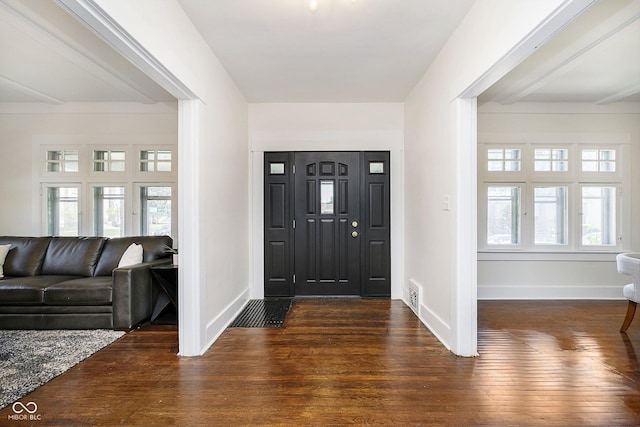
508, 276
493, 33
214, 173
22, 125
326, 127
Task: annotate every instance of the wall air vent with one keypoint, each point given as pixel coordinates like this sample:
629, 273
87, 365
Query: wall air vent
415, 294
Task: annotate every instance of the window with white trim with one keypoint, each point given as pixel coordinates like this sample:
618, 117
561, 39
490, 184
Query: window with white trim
62, 161
105, 191
62, 209
539, 198
108, 211
109, 160
155, 160
155, 210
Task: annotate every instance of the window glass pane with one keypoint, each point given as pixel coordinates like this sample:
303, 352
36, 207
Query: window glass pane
164, 166
494, 166
551, 219
326, 197
376, 167
512, 166
511, 154
503, 216
588, 166
599, 216
494, 153
117, 166
62, 211
108, 211
164, 155
276, 168
155, 209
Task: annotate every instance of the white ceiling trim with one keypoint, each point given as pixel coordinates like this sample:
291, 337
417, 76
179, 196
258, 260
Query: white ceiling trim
545, 31
98, 21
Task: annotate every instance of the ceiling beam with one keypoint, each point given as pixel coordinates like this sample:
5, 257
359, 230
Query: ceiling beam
625, 93
24, 20
556, 65
33, 93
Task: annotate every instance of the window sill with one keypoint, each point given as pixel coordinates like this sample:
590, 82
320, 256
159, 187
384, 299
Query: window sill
547, 256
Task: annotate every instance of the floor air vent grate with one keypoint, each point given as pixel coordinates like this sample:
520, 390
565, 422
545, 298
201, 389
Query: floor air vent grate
260, 313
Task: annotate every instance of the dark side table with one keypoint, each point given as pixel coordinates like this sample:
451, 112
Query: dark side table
164, 294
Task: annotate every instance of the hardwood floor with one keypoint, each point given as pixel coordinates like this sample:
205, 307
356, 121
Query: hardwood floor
365, 362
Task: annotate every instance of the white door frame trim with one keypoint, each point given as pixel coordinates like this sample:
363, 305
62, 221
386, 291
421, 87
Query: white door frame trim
191, 323
465, 287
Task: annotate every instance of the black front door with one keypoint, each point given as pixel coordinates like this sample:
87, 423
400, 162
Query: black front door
327, 229
327, 224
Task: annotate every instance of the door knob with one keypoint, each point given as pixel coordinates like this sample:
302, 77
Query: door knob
354, 234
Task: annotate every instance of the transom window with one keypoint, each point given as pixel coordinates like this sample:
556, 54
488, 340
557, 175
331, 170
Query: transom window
503, 159
595, 160
108, 161
62, 161
155, 161
551, 160
91, 190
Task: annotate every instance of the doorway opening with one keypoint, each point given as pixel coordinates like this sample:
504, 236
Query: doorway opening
327, 224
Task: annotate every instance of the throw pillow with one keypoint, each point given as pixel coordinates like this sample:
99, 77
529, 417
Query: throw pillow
4, 250
133, 255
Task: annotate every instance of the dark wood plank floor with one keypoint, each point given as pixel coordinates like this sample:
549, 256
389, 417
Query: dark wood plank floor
365, 362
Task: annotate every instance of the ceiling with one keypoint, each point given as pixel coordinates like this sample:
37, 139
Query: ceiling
345, 51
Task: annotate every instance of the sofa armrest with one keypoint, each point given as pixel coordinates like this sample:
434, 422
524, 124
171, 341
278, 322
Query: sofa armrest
131, 298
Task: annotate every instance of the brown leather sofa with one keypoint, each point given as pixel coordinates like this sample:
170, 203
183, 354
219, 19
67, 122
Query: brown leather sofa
75, 282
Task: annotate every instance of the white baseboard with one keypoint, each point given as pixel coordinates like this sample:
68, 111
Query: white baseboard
550, 292
431, 321
217, 326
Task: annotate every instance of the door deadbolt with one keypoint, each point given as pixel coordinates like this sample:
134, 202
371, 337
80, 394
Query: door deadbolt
354, 224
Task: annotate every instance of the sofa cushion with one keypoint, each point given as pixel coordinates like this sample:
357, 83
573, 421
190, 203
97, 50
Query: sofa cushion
27, 290
25, 255
153, 248
132, 256
4, 250
77, 256
84, 291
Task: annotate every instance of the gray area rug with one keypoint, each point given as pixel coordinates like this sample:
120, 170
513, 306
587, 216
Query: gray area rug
29, 359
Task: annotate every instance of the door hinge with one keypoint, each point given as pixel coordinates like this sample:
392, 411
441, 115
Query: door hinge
294, 169
294, 223
294, 278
